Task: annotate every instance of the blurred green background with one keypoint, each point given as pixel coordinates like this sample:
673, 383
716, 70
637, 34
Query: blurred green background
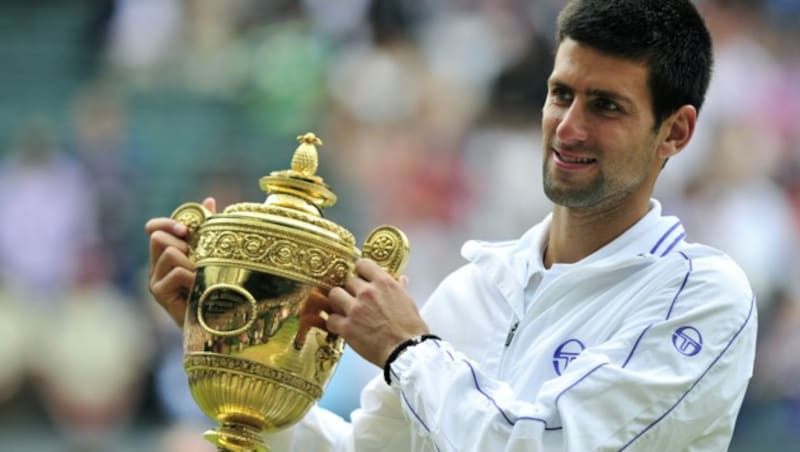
116, 111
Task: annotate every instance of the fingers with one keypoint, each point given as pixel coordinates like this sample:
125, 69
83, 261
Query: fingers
160, 241
171, 257
164, 232
354, 284
340, 304
177, 280
171, 271
336, 324
340, 300
368, 269
210, 204
173, 276
167, 225
171, 292
172, 226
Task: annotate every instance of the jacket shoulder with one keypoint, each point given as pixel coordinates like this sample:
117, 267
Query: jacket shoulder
716, 270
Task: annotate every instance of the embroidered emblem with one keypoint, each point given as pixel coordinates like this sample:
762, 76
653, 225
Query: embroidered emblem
687, 340
566, 353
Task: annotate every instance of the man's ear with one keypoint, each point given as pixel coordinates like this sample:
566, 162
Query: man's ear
676, 131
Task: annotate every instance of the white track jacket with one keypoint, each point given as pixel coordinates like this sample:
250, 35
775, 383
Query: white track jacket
647, 344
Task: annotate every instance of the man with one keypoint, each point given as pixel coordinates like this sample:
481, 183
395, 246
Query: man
600, 328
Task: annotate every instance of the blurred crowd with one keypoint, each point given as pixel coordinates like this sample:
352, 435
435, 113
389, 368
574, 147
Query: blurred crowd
119, 110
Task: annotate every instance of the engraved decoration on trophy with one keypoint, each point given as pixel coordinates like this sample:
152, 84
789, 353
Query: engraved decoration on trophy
255, 351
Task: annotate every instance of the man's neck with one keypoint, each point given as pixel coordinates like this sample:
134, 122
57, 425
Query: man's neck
577, 233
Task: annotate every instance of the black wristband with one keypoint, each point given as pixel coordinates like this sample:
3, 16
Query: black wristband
399, 349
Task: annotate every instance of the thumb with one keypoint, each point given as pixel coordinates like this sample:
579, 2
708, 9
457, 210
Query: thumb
210, 204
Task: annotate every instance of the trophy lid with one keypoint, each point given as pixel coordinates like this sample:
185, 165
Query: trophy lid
286, 235
298, 195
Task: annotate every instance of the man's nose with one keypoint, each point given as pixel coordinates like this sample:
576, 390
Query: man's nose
573, 126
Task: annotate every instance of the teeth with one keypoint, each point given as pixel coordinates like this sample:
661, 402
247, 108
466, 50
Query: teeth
572, 160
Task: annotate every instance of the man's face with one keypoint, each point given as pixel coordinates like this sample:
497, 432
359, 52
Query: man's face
597, 122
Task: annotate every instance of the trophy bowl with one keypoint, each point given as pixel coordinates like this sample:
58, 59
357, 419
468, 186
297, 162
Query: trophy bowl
256, 352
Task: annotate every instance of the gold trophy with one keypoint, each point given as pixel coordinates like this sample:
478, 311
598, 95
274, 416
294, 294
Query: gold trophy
255, 350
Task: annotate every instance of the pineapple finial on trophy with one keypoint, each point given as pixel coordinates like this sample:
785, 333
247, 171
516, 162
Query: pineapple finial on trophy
305, 158
300, 188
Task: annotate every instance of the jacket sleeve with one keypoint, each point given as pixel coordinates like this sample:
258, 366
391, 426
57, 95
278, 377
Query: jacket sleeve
651, 386
379, 424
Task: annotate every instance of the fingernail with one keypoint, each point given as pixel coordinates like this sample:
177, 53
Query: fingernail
180, 229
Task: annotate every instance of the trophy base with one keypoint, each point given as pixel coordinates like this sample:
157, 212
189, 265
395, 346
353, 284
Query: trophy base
235, 437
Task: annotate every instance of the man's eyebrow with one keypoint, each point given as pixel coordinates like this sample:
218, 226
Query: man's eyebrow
556, 82
609, 95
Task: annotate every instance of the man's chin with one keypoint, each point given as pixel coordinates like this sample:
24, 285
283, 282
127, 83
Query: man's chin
574, 199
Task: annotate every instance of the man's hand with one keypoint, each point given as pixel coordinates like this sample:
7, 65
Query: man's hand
373, 313
171, 272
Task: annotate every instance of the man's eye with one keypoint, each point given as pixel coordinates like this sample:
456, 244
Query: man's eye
607, 105
561, 94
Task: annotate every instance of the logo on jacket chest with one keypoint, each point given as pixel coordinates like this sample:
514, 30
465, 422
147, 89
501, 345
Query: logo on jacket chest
566, 353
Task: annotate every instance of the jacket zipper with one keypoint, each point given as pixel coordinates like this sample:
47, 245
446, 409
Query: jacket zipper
511, 332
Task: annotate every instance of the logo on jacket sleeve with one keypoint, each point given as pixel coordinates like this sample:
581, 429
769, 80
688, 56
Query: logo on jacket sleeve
687, 340
566, 353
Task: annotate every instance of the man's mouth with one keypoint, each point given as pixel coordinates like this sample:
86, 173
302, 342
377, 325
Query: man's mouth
572, 159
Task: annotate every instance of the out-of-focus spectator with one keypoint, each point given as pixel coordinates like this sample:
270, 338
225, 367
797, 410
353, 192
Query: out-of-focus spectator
102, 144
286, 88
720, 208
139, 53
49, 208
503, 150
341, 20
90, 364
778, 369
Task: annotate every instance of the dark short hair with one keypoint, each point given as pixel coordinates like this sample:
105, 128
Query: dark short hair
669, 36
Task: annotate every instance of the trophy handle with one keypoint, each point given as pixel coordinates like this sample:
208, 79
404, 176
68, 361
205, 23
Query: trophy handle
202, 302
192, 215
388, 247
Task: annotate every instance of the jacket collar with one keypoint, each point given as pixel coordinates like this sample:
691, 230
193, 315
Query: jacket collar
511, 264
